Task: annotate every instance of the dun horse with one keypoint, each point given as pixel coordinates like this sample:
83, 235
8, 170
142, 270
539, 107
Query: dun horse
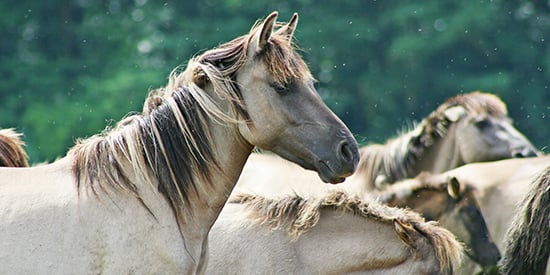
499, 186
12, 153
141, 197
527, 248
331, 234
467, 128
454, 206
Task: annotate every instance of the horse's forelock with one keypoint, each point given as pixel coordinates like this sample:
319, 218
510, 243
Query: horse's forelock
283, 61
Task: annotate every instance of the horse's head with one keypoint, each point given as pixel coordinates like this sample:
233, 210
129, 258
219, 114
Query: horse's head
284, 112
467, 128
457, 209
488, 137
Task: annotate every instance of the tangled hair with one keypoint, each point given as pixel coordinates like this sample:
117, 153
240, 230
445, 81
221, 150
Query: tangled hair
12, 153
527, 241
299, 215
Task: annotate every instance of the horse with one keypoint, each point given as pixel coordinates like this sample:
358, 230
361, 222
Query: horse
499, 186
141, 196
336, 233
527, 240
472, 127
12, 153
454, 205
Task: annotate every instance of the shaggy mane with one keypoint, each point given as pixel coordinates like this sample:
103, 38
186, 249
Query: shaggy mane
298, 215
12, 153
169, 146
527, 245
396, 158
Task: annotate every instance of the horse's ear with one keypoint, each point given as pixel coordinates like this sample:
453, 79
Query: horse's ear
288, 30
453, 114
453, 188
404, 232
265, 31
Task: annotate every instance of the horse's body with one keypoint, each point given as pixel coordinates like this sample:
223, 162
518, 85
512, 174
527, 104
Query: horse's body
141, 198
331, 234
12, 153
527, 245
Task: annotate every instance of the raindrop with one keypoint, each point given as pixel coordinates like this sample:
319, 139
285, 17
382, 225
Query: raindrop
440, 25
138, 15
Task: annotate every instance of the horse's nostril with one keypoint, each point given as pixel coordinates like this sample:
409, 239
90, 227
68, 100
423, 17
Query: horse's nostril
524, 153
346, 152
518, 155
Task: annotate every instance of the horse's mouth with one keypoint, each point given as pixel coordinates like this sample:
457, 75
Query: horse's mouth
327, 174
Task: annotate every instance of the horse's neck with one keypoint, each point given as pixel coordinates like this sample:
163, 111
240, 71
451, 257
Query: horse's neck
231, 154
442, 155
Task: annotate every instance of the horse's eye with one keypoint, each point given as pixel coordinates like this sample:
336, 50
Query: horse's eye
483, 124
279, 88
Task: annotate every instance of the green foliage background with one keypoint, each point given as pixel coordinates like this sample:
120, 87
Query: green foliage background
69, 68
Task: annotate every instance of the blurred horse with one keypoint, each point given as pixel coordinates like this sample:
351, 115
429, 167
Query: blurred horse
141, 197
331, 234
527, 241
500, 187
12, 153
467, 128
454, 206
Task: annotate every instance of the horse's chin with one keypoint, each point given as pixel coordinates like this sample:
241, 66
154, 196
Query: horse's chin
327, 175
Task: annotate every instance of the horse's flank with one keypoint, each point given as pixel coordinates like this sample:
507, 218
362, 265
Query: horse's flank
527, 241
298, 215
12, 153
